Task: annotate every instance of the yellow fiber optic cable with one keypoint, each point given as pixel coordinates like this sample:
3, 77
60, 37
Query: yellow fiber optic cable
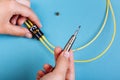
48, 42
30, 22
98, 34
101, 54
113, 37
27, 25
49, 46
42, 38
42, 41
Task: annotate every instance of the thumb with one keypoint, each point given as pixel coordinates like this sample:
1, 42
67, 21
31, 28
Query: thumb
17, 31
62, 63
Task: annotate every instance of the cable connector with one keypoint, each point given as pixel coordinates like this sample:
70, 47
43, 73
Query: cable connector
34, 29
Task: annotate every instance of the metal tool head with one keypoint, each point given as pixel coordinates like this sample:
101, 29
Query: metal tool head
76, 32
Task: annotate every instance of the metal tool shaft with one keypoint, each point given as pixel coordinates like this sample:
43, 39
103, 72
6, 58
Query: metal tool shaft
71, 40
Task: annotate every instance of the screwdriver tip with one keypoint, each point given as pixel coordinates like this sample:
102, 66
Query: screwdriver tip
79, 26
76, 32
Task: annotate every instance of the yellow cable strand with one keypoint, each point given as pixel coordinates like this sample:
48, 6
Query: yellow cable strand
112, 40
101, 54
48, 42
27, 25
42, 41
98, 34
30, 22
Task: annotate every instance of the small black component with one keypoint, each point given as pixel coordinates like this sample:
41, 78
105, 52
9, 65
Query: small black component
36, 32
57, 13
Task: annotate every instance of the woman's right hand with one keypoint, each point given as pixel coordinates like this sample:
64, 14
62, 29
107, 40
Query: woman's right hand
64, 69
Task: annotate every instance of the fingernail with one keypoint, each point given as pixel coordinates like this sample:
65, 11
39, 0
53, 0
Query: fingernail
71, 54
41, 25
66, 54
28, 35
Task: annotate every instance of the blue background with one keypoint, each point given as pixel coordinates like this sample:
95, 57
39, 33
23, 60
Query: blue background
21, 58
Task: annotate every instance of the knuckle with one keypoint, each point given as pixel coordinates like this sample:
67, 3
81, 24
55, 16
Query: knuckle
11, 4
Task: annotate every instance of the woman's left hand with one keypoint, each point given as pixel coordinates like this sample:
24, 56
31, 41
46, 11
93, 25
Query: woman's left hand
13, 14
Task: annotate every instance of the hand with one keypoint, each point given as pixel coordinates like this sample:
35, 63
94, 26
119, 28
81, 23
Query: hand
9, 23
64, 69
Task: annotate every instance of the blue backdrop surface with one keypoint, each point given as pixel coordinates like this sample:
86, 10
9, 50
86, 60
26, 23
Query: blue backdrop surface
21, 58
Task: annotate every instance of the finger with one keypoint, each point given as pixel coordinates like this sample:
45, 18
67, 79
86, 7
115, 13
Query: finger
40, 74
48, 68
17, 31
26, 12
70, 73
14, 19
57, 52
38, 78
21, 20
62, 63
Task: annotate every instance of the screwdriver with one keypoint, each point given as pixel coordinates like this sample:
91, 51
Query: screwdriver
71, 40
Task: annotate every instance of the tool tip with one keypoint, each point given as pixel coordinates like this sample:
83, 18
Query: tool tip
79, 26
76, 32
